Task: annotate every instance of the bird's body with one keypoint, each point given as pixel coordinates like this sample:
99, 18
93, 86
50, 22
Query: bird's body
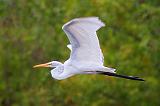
69, 69
86, 56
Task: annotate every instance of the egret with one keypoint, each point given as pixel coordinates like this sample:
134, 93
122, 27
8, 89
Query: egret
86, 56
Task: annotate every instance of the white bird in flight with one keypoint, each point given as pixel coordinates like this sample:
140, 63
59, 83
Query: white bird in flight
86, 56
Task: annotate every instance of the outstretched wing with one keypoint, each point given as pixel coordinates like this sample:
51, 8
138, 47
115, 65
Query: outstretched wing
85, 47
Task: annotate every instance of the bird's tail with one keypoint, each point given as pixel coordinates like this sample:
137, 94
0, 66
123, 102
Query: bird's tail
120, 76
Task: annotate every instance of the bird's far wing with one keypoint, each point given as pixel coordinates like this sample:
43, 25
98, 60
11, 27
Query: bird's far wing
69, 46
81, 33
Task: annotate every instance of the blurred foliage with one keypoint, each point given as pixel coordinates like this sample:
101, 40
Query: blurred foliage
30, 33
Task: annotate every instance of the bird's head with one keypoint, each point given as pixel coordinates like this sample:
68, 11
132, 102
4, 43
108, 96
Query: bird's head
51, 64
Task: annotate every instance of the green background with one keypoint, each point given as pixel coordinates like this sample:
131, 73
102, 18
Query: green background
30, 33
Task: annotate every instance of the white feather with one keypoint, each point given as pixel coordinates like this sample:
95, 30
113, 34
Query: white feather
83, 38
69, 46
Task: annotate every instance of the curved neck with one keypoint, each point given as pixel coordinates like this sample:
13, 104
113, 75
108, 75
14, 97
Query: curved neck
59, 73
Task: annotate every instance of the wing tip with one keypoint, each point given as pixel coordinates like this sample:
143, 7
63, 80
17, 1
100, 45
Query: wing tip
95, 19
100, 21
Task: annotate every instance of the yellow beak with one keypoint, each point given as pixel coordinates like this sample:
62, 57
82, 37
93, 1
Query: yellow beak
42, 65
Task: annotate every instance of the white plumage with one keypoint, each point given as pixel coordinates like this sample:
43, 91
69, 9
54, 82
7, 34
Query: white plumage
86, 56
84, 41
